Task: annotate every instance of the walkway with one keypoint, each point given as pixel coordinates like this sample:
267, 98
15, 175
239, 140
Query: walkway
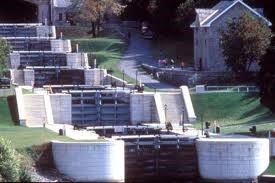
138, 53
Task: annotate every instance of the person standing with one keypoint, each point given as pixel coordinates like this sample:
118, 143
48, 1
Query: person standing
182, 65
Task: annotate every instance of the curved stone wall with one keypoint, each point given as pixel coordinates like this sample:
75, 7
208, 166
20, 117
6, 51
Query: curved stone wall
232, 159
101, 161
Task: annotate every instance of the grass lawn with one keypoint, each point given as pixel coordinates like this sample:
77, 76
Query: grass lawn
234, 112
22, 137
107, 49
271, 168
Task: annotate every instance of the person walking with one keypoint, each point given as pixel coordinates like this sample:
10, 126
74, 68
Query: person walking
172, 63
182, 65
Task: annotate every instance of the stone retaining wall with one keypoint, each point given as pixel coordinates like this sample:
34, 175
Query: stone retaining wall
192, 78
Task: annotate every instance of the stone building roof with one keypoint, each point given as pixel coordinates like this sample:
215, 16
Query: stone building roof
205, 17
62, 3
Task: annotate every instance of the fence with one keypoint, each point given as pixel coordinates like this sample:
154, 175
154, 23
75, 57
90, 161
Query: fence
208, 89
233, 88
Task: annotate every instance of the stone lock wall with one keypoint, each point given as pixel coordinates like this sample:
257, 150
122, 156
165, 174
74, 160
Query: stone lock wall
46, 31
59, 45
232, 159
28, 77
61, 105
95, 76
14, 60
77, 60
143, 108
101, 161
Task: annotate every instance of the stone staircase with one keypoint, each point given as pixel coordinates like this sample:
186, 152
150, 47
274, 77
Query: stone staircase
36, 56
175, 107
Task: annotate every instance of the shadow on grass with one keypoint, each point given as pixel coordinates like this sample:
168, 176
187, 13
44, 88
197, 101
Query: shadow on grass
264, 118
250, 97
256, 110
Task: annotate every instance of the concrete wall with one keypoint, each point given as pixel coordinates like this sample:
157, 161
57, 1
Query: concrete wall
95, 76
232, 159
20, 106
28, 77
77, 60
189, 109
90, 161
159, 109
59, 45
14, 60
34, 109
272, 147
61, 105
17, 77
143, 109
46, 31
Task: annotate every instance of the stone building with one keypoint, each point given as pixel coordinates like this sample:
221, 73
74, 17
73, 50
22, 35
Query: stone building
207, 52
33, 11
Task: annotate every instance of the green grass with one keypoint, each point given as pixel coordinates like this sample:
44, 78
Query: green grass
271, 168
234, 112
107, 51
22, 137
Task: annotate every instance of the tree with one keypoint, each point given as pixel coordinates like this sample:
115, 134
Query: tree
94, 11
244, 41
267, 80
185, 13
4, 51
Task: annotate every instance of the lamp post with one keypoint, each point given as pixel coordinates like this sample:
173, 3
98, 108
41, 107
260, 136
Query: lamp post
183, 129
165, 110
136, 77
123, 76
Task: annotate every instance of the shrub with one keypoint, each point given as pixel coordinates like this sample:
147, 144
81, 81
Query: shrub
24, 175
9, 163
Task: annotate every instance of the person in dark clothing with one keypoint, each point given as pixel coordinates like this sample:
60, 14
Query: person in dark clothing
129, 36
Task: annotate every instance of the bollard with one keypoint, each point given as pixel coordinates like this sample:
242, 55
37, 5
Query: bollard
61, 132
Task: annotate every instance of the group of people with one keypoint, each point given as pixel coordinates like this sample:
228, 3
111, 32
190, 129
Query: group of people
170, 63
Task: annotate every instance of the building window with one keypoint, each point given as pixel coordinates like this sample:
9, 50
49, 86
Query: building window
60, 18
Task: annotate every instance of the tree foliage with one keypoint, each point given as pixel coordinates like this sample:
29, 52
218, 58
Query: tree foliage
4, 51
267, 80
244, 41
94, 11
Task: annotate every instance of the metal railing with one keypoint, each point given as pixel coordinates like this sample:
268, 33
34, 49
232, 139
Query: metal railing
246, 89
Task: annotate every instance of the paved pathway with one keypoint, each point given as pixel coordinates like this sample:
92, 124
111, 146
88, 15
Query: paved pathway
138, 52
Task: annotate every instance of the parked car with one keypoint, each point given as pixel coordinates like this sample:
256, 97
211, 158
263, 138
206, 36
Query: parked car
5, 83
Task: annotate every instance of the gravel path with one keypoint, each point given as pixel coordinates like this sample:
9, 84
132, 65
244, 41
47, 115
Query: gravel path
47, 176
138, 53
